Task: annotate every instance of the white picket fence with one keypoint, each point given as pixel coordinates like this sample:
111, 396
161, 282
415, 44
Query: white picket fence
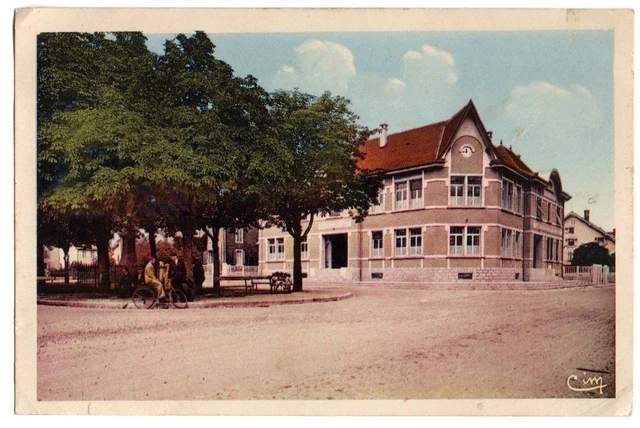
596, 274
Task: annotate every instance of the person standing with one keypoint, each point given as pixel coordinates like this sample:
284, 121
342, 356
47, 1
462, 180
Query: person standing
198, 275
150, 278
177, 272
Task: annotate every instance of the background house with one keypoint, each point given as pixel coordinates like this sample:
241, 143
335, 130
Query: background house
580, 230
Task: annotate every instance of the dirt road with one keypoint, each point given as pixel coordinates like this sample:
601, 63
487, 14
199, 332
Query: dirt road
380, 343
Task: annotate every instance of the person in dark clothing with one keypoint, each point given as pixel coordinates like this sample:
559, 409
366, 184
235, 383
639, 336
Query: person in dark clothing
178, 277
177, 272
198, 275
127, 283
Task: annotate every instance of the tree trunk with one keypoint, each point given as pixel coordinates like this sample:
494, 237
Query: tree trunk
215, 246
297, 257
187, 250
102, 245
296, 232
40, 267
153, 249
65, 252
129, 257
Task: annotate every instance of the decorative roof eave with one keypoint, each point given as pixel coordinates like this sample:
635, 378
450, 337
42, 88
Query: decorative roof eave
565, 196
499, 164
432, 165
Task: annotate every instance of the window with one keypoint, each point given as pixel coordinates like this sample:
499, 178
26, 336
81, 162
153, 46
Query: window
464, 240
465, 190
275, 248
456, 236
379, 207
505, 246
507, 195
570, 255
570, 230
539, 208
519, 200
550, 249
376, 243
474, 188
304, 248
401, 195
409, 194
239, 236
571, 242
558, 216
239, 259
473, 240
518, 245
457, 191
548, 212
401, 242
415, 194
415, 241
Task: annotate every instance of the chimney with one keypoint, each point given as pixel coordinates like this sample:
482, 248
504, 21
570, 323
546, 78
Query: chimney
383, 134
586, 215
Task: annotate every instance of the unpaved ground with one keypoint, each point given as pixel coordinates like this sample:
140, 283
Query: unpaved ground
381, 343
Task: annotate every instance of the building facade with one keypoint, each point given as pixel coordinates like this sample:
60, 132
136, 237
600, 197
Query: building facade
454, 207
580, 230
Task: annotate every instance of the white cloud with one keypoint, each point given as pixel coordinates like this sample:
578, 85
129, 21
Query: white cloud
542, 106
422, 90
431, 67
320, 66
287, 69
394, 85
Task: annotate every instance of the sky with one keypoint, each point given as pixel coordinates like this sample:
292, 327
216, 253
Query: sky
547, 94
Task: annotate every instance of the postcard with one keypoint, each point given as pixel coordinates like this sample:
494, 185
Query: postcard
324, 211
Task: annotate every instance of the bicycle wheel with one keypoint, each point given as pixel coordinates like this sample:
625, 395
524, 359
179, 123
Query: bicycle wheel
178, 298
143, 297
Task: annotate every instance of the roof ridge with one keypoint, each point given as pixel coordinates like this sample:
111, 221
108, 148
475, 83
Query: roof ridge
590, 224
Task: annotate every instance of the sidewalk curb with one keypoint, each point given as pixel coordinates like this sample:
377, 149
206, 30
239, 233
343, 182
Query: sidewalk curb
195, 305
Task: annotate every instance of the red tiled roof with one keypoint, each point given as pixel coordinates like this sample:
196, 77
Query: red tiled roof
415, 147
429, 144
510, 159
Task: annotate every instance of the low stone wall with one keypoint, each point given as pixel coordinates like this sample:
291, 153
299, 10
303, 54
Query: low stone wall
541, 275
418, 275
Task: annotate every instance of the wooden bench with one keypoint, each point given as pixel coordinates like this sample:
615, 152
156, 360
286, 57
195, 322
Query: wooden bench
248, 284
264, 280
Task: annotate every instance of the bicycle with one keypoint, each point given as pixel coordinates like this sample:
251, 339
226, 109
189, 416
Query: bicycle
145, 297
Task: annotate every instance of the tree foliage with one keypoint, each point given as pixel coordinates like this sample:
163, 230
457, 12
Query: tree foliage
320, 141
590, 254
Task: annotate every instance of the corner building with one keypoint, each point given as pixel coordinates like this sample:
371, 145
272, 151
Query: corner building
454, 208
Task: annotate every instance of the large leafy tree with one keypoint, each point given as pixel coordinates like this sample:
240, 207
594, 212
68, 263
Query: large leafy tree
320, 140
92, 119
214, 124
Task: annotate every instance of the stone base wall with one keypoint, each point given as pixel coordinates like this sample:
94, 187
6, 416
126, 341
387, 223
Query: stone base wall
418, 275
541, 275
